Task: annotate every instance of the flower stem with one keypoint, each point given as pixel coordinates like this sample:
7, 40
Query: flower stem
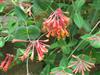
83, 40
75, 49
95, 27
27, 68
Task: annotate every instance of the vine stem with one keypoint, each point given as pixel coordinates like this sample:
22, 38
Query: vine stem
42, 35
27, 61
95, 27
75, 49
27, 68
83, 40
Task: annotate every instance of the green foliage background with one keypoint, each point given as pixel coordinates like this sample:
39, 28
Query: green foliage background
84, 24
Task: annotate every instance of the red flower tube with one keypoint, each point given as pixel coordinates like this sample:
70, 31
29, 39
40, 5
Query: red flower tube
56, 24
6, 62
41, 48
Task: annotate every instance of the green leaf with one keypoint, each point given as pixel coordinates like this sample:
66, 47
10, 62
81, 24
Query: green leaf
54, 45
19, 52
78, 4
60, 71
61, 5
96, 55
44, 3
1, 54
65, 49
2, 41
96, 4
11, 26
36, 8
20, 14
86, 36
78, 19
46, 70
2, 6
23, 32
57, 69
98, 33
96, 72
72, 43
51, 58
95, 40
95, 43
59, 43
63, 62
80, 22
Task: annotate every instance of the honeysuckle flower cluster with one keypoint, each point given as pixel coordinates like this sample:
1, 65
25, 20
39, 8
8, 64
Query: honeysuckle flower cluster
80, 65
6, 62
56, 24
39, 45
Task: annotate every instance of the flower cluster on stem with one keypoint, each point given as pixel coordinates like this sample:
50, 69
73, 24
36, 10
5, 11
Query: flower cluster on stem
6, 62
80, 65
56, 24
39, 45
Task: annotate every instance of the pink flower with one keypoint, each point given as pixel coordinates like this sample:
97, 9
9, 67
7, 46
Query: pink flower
80, 65
1, 1
56, 24
39, 45
41, 48
17, 40
6, 62
26, 53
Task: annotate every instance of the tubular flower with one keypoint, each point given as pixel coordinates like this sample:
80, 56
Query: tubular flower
41, 48
56, 24
80, 65
39, 45
17, 40
6, 62
26, 53
1, 1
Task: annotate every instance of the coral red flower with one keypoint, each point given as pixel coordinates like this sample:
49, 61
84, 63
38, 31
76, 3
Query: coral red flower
26, 53
41, 48
39, 45
6, 62
17, 40
56, 24
1, 1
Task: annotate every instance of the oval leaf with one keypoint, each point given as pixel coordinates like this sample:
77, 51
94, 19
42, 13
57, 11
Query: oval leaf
20, 13
80, 22
30, 32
